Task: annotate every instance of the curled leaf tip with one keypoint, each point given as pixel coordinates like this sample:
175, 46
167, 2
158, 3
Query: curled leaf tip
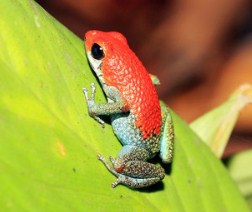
244, 90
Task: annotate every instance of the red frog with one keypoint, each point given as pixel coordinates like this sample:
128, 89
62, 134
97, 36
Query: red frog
143, 127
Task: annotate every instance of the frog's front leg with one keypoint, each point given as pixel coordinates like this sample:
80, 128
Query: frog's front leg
117, 104
131, 169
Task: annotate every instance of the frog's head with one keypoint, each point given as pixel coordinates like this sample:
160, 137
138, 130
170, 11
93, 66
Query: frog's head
105, 53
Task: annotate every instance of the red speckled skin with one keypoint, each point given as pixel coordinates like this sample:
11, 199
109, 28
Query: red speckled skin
122, 69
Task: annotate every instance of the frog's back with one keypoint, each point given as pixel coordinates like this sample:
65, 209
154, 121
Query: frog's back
123, 70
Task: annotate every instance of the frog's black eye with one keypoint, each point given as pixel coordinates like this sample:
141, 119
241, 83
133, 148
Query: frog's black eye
97, 52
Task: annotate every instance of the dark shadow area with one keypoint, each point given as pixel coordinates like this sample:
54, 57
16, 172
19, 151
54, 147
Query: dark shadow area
153, 188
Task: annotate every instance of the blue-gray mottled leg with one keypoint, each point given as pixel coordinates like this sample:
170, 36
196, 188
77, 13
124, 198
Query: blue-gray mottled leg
167, 137
131, 169
96, 109
91, 104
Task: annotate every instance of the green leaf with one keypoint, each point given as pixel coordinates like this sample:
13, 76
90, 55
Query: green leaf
48, 142
239, 168
216, 126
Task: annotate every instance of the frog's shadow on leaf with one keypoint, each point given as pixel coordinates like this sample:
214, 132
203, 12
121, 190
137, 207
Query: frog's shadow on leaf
153, 188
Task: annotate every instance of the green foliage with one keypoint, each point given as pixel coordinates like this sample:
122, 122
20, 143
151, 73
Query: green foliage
239, 168
48, 143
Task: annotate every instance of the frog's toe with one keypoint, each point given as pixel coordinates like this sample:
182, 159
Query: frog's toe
85, 91
114, 184
100, 157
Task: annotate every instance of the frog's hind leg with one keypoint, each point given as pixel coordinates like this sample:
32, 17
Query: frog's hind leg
167, 137
127, 180
154, 79
134, 182
131, 169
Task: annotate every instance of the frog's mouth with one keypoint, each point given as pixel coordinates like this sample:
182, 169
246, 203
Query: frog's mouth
96, 66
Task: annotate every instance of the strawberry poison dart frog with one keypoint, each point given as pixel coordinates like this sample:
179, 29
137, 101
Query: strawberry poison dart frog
143, 127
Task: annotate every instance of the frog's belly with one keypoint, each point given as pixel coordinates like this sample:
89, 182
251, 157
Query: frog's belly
125, 130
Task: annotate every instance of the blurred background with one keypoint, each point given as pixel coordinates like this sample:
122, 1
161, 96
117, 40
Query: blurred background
200, 50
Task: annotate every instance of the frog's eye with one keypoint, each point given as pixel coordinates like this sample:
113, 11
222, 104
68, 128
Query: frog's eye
97, 52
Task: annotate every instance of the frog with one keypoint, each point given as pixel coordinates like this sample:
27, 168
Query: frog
143, 126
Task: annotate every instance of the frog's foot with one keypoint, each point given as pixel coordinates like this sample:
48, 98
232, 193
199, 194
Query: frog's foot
110, 168
134, 182
91, 104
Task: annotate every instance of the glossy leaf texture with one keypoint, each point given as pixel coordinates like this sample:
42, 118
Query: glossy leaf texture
48, 142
